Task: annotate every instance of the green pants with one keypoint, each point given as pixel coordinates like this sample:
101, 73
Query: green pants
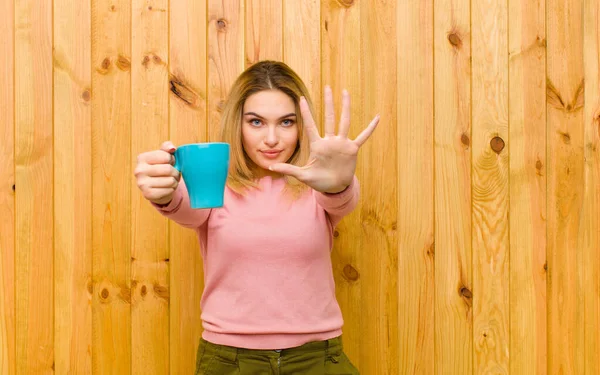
318, 358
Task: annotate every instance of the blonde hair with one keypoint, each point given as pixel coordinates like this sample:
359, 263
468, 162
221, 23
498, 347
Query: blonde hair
264, 75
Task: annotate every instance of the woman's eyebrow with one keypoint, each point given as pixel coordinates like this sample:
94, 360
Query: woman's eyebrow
259, 116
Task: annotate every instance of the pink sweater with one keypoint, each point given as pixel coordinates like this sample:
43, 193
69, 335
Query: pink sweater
267, 264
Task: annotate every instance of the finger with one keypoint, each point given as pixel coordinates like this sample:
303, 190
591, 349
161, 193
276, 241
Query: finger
156, 194
308, 122
329, 113
168, 147
158, 170
156, 157
162, 182
288, 169
365, 134
345, 118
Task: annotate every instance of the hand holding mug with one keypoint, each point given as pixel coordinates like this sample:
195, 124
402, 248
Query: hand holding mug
155, 175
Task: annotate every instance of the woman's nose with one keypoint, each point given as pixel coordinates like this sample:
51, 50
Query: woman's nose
271, 139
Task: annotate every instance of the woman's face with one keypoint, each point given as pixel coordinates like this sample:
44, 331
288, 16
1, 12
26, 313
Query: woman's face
269, 129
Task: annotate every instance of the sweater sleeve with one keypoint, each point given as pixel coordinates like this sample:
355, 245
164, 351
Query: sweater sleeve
180, 211
340, 204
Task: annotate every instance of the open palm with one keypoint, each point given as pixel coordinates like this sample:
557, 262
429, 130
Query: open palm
332, 160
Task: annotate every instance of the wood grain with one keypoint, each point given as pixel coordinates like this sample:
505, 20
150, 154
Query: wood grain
34, 188
453, 146
111, 180
565, 180
150, 244
490, 187
528, 171
340, 27
225, 56
72, 187
187, 118
379, 210
302, 45
415, 187
589, 236
263, 30
7, 194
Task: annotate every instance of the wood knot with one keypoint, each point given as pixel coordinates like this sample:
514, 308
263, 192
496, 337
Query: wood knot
465, 140
150, 7
14, 187
566, 138
145, 61
538, 165
455, 40
90, 287
86, 95
545, 267
336, 234
105, 63
497, 144
123, 63
431, 250
104, 294
161, 292
113, 8
350, 273
221, 25
465, 292
346, 3
156, 59
184, 92
144, 291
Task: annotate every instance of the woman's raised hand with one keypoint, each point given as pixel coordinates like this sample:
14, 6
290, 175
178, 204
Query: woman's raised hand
332, 160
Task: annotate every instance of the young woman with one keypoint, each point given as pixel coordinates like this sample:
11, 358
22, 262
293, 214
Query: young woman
269, 304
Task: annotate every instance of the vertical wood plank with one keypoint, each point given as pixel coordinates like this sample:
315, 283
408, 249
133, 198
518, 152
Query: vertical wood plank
225, 55
111, 180
188, 115
379, 211
34, 188
264, 30
490, 182
589, 234
340, 27
453, 139
415, 31
565, 153
7, 194
72, 187
149, 250
527, 139
302, 45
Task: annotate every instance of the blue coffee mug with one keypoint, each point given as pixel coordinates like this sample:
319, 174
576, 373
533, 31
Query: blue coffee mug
204, 168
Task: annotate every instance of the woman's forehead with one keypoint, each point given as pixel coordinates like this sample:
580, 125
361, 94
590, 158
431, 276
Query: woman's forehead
267, 102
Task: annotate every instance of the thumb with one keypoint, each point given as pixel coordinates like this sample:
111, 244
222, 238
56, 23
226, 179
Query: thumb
168, 146
287, 169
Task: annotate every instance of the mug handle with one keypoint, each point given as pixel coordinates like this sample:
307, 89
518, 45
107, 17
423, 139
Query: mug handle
176, 164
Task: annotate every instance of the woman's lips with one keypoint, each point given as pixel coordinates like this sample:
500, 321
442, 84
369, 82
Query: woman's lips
271, 154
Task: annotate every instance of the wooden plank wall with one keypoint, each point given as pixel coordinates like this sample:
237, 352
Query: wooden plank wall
476, 245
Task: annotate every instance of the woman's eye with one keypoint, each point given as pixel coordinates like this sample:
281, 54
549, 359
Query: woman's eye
255, 122
287, 122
